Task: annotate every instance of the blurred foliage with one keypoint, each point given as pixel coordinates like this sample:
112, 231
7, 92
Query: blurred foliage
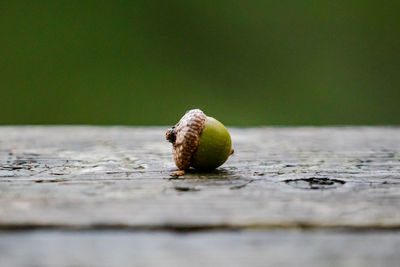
243, 62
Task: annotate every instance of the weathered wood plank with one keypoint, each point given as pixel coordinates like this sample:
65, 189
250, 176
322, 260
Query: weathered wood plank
87, 177
248, 248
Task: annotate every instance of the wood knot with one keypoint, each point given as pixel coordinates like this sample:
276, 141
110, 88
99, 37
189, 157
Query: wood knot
314, 183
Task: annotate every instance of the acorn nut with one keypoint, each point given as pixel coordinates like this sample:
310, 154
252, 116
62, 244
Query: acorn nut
199, 141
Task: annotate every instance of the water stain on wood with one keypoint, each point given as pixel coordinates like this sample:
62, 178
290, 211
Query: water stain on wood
315, 183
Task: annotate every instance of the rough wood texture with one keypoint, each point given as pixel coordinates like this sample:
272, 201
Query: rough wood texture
119, 177
341, 184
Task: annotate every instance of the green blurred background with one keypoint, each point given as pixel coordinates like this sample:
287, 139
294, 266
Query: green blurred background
243, 62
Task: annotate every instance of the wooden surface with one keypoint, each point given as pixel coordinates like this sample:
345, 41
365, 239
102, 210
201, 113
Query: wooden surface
246, 248
282, 188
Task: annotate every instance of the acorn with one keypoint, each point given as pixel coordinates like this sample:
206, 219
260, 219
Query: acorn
199, 141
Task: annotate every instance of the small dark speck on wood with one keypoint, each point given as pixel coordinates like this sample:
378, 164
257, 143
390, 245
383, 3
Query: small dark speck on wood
186, 188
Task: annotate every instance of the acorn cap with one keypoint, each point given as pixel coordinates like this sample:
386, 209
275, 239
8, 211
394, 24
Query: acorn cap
185, 137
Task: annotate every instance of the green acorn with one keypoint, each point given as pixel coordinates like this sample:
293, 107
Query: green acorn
199, 141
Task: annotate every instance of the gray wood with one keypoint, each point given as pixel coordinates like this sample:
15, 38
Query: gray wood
111, 189
119, 177
249, 248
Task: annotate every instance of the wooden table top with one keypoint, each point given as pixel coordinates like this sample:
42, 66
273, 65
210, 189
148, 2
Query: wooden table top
295, 195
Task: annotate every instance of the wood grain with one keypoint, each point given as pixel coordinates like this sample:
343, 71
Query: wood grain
104, 196
119, 177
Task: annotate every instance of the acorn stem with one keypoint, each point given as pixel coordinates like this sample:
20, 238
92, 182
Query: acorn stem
170, 135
